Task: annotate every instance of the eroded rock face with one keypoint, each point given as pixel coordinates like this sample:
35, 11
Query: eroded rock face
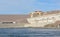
56, 24
45, 19
36, 13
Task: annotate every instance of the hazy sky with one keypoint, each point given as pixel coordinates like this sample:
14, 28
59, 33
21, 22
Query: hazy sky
26, 6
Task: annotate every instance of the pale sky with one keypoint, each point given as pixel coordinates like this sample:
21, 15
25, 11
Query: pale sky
27, 6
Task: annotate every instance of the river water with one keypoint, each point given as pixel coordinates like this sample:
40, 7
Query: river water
29, 32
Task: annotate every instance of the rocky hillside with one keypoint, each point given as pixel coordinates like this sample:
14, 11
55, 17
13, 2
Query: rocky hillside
14, 18
53, 11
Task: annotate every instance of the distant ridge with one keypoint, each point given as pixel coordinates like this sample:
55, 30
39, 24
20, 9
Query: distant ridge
53, 11
22, 18
18, 18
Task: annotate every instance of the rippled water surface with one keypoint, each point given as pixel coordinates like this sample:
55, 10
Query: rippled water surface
29, 32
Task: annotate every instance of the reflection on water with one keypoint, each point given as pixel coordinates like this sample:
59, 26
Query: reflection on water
29, 32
